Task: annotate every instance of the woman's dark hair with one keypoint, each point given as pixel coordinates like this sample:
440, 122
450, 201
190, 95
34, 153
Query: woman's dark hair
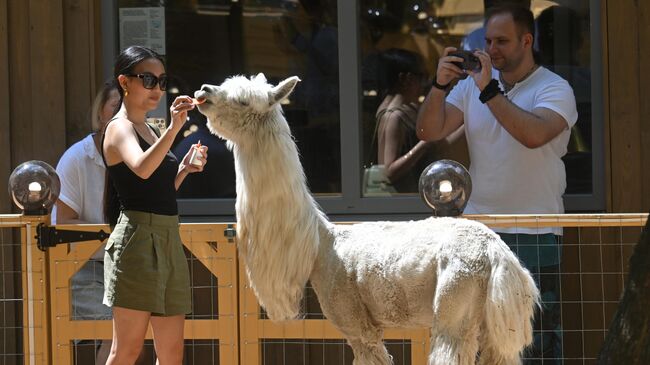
124, 65
396, 61
128, 59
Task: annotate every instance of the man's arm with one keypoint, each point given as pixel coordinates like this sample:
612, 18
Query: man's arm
532, 129
437, 118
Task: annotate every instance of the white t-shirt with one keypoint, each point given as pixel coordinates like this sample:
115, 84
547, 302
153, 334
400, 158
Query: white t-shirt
81, 171
508, 177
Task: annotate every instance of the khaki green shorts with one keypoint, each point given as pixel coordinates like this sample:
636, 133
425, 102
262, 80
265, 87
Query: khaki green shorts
145, 266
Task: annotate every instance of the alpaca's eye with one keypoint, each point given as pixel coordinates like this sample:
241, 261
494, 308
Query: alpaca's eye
242, 102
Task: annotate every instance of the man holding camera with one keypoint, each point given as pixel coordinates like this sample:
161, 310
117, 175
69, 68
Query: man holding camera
517, 117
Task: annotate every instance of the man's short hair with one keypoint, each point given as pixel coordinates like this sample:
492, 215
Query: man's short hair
492, 3
522, 16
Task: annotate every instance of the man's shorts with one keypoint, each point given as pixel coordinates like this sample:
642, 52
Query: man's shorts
145, 266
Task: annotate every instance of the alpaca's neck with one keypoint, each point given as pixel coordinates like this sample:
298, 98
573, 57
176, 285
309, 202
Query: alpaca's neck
278, 222
270, 176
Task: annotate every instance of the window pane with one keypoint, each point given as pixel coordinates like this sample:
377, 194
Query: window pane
563, 42
401, 42
209, 40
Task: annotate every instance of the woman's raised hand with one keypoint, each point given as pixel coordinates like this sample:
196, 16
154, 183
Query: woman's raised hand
178, 111
201, 158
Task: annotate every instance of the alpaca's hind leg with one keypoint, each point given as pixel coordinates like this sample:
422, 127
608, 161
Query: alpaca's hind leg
458, 313
370, 353
448, 349
491, 354
489, 357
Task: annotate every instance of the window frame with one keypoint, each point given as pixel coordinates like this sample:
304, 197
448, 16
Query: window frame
351, 205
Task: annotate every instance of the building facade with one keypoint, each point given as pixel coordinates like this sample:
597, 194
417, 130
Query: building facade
56, 54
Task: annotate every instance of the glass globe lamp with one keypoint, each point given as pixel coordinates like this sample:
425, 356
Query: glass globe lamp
445, 186
34, 187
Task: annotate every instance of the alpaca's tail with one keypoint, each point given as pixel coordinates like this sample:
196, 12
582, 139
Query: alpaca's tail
512, 298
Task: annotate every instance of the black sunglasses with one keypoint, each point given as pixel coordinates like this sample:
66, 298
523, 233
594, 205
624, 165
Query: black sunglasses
149, 81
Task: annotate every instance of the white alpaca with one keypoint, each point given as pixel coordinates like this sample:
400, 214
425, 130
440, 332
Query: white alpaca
451, 274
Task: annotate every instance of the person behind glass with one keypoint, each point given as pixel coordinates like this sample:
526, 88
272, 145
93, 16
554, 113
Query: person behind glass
398, 148
82, 172
145, 272
559, 41
517, 117
312, 31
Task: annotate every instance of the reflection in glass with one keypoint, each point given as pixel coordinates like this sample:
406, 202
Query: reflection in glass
427, 27
209, 40
400, 155
561, 35
401, 43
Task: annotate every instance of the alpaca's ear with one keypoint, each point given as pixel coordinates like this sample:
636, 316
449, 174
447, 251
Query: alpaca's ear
283, 89
260, 78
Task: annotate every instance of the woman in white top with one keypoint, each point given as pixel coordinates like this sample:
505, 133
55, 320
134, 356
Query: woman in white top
82, 170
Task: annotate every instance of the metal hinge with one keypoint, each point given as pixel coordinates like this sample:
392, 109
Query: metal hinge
230, 233
47, 236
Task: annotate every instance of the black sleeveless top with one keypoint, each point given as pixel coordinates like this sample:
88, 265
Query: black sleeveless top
157, 194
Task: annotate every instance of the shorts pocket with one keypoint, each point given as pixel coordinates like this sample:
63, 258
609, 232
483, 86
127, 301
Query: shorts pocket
136, 248
117, 236
120, 242
131, 235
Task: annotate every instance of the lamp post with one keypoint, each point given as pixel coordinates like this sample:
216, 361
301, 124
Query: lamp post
34, 187
445, 186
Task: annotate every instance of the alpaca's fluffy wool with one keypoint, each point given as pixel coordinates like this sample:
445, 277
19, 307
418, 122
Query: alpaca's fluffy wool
451, 274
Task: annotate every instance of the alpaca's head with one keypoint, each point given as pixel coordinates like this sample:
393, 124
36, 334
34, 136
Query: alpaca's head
241, 107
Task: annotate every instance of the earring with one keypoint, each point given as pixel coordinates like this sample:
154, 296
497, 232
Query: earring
126, 92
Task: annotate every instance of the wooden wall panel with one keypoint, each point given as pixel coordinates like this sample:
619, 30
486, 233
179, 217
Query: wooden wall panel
37, 111
95, 17
49, 50
47, 82
20, 81
624, 105
79, 41
5, 144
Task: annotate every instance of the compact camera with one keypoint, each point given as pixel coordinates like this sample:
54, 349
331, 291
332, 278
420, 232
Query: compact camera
470, 61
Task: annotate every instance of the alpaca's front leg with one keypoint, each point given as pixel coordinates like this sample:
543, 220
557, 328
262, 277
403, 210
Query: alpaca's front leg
341, 303
363, 336
345, 310
370, 353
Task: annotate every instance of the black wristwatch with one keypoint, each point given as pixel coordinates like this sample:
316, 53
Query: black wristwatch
438, 86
